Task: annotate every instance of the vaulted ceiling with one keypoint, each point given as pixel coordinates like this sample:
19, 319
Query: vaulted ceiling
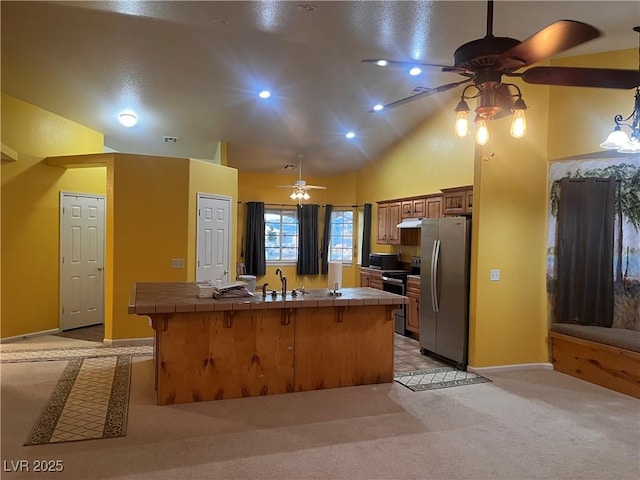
193, 70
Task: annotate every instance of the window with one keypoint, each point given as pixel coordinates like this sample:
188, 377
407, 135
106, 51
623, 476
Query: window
341, 245
281, 236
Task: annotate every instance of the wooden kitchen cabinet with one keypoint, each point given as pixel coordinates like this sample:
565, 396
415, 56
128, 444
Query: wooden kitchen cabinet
413, 308
414, 208
389, 216
370, 277
433, 206
457, 201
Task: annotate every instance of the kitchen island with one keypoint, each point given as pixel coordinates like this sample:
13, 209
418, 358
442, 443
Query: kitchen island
213, 349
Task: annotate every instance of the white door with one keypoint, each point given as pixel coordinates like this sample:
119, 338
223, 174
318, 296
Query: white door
213, 239
82, 238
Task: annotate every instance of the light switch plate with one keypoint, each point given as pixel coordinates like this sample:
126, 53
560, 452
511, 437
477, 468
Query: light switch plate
177, 263
495, 275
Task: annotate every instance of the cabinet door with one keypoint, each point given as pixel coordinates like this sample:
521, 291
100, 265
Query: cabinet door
434, 207
365, 279
375, 280
394, 218
413, 308
383, 220
407, 209
454, 203
419, 208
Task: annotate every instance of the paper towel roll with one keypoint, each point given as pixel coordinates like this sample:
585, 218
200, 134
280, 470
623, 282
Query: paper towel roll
335, 275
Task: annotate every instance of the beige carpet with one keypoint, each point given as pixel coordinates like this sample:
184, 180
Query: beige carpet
528, 424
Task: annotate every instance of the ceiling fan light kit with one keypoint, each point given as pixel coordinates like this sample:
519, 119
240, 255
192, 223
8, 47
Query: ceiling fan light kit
487, 109
300, 187
486, 60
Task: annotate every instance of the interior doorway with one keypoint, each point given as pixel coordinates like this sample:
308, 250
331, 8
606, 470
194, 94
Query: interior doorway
213, 238
82, 241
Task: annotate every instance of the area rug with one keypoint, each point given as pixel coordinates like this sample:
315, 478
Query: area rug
90, 401
68, 353
442, 377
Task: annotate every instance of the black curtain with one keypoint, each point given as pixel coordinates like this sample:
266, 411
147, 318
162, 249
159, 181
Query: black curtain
585, 251
255, 262
308, 239
366, 235
324, 255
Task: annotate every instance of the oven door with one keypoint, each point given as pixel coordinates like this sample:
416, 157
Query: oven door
396, 285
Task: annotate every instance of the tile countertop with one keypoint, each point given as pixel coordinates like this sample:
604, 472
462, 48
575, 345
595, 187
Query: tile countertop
413, 277
169, 297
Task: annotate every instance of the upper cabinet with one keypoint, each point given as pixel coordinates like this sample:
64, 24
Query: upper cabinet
389, 215
457, 201
414, 208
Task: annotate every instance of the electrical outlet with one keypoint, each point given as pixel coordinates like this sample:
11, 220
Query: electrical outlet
495, 275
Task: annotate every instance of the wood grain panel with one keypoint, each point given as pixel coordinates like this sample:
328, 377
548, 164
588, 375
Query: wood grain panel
343, 346
219, 355
604, 365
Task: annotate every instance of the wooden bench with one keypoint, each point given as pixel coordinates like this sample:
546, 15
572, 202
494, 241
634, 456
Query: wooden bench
609, 357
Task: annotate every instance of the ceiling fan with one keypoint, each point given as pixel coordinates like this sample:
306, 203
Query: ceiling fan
486, 60
300, 187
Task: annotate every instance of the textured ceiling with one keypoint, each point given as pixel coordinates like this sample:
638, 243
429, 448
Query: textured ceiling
193, 69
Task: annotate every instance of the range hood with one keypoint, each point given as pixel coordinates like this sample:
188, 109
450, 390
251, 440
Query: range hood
410, 223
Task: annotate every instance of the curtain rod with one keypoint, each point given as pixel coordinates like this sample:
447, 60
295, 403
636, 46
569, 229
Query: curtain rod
295, 205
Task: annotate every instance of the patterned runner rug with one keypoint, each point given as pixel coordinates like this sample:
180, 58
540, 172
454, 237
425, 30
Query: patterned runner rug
91, 398
434, 378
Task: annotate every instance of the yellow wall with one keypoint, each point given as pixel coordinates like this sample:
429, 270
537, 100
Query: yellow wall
427, 159
508, 323
149, 214
340, 192
30, 211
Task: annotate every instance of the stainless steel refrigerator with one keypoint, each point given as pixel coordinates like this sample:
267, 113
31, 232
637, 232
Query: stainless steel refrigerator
444, 296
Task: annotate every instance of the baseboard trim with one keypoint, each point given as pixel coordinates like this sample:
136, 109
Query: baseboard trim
128, 341
508, 368
17, 338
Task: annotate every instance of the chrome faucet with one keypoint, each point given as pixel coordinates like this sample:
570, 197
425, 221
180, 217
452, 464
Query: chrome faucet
283, 280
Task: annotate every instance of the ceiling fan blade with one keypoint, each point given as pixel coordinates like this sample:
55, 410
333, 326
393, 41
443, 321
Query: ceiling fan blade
555, 38
425, 93
400, 63
583, 77
286, 186
317, 187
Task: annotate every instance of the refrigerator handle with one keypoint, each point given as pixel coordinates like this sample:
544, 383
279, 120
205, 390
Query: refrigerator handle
435, 263
435, 253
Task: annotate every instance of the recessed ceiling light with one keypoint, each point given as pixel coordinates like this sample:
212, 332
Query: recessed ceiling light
382, 63
350, 135
264, 94
378, 107
128, 119
415, 71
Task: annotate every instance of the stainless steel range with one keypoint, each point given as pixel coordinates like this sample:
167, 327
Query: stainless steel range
395, 281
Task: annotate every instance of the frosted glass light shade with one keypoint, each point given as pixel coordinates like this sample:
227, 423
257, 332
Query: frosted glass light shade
616, 139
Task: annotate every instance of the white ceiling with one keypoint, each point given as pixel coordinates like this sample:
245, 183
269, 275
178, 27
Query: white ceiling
193, 69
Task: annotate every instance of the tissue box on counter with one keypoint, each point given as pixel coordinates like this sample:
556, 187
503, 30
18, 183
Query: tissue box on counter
205, 290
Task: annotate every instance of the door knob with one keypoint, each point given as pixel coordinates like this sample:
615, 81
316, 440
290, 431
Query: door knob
100, 269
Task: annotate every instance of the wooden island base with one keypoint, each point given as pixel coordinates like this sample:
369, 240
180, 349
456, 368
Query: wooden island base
220, 355
264, 349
